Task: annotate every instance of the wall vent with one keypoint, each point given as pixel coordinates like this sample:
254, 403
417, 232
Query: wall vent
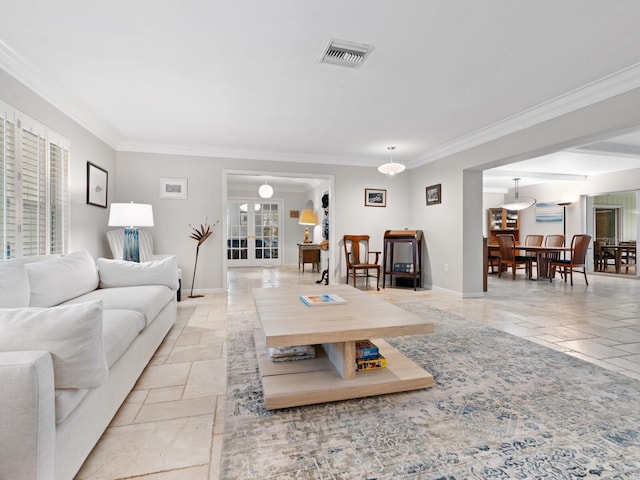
348, 54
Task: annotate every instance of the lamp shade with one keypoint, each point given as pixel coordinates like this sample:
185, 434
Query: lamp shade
518, 203
308, 217
391, 168
131, 215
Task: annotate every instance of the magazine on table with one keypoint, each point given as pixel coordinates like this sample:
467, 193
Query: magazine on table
324, 299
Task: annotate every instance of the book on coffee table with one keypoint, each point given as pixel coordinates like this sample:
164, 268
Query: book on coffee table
325, 299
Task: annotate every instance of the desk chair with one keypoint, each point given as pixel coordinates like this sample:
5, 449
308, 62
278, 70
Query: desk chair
509, 258
579, 246
361, 261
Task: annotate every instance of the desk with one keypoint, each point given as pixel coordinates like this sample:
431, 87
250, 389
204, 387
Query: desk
618, 251
542, 255
309, 253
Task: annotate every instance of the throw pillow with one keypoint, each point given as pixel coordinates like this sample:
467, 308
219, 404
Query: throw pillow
55, 281
120, 273
71, 333
14, 285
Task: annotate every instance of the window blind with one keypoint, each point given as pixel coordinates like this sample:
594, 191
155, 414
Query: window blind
34, 190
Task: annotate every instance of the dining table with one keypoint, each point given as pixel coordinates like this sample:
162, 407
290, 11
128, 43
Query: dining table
618, 250
543, 255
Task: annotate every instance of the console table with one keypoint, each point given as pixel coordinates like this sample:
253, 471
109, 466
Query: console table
334, 329
309, 253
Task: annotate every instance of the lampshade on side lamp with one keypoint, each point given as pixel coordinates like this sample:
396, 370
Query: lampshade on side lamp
131, 215
307, 217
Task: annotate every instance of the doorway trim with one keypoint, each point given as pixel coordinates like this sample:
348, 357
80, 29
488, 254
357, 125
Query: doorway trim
333, 249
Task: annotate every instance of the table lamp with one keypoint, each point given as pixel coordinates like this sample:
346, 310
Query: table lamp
307, 217
131, 215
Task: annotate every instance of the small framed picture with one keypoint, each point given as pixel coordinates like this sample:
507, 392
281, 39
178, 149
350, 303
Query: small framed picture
175, 188
434, 194
97, 182
294, 213
375, 197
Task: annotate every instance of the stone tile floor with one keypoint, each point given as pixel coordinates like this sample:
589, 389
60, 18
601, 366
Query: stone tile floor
171, 425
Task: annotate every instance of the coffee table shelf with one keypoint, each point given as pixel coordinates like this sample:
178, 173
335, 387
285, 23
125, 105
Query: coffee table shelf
331, 376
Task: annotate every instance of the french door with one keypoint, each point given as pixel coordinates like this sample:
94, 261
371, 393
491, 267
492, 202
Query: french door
253, 233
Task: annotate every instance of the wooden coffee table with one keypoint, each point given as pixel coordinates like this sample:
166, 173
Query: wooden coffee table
286, 321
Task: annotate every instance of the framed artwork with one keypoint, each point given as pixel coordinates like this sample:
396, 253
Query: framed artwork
434, 194
375, 197
175, 188
548, 212
294, 213
97, 182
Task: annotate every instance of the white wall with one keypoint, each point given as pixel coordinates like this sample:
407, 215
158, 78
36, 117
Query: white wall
461, 209
453, 229
88, 222
138, 177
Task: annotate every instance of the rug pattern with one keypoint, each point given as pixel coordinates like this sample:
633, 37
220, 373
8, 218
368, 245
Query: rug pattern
501, 408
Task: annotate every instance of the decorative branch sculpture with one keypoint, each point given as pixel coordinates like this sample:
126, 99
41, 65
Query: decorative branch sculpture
200, 235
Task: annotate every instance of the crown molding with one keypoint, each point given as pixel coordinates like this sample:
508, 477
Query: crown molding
218, 151
607, 87
51, 91
610, 149
31, 76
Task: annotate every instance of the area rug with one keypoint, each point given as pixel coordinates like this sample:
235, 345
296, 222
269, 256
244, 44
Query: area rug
502, 407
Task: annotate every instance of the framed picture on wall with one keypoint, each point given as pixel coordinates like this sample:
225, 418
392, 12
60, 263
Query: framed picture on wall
375, 197
97, 182
175, 188
434, 194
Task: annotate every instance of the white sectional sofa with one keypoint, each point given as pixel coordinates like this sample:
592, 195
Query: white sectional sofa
75, 335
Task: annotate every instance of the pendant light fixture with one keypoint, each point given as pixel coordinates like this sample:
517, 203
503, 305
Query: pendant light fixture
391, 168
266, 190
519, 203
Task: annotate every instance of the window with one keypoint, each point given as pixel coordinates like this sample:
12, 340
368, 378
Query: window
34, 187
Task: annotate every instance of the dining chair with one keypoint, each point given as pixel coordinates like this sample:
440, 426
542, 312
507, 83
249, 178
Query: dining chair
533, 241
579, 246
509, 258
628, 253
360, 260
602, 257
555, 240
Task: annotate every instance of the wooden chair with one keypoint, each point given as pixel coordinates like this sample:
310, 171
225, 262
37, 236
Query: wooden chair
579, 246
533, 241
628, 254
554, 240
509, 258
602, 257
361, 261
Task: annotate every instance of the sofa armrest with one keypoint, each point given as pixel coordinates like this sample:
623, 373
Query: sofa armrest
27, 416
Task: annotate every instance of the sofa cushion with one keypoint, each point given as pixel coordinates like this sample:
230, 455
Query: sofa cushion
119, 329
14, 285
72, 333
120, 273
59, 279
67, 399
148, 300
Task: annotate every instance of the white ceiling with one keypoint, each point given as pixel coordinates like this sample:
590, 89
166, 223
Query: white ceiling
242, 78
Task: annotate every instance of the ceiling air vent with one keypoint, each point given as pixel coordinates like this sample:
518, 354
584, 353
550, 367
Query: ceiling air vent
340, 52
